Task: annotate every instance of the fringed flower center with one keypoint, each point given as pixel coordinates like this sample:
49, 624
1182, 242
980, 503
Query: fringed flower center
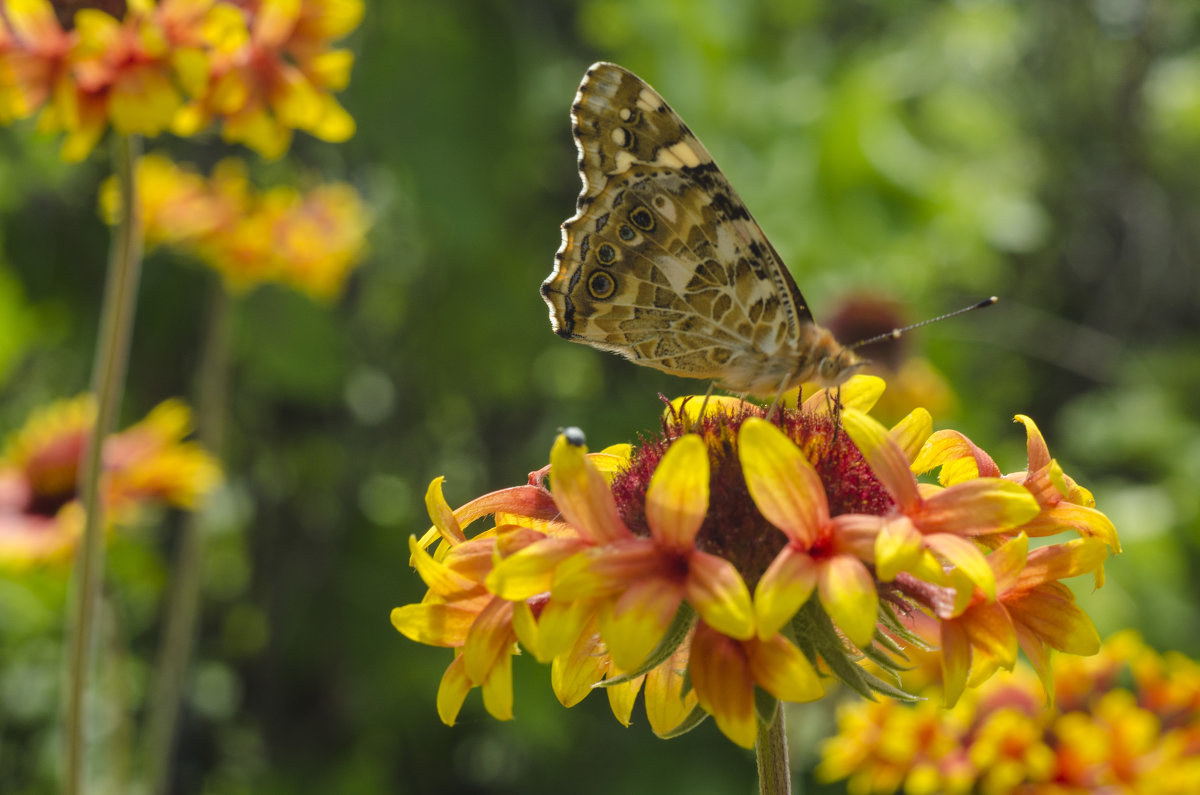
733, 527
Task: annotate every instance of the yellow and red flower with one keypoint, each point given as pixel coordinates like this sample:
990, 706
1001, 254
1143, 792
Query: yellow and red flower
148, 463
308, 241
261, 67
700, 551
1099, 736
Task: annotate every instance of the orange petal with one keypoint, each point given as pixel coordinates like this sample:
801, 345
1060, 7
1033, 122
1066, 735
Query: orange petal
677, 497
782, 670
781, 481
977, 507
1039, 453
990, 629
1086, 521
1050, 613
956, 661
887, 460
1061, 561
603, 571
723, 683
848, 595
582, 494
489, 640
784, 587
719, 594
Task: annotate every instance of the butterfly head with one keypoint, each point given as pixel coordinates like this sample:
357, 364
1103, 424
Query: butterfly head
835, 362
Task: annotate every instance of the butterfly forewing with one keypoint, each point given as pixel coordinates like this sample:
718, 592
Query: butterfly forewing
662, 262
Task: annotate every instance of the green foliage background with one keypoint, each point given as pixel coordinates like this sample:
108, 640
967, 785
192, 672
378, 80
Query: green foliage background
936, 152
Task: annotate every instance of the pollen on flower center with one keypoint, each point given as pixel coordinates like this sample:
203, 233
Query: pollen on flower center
733, 527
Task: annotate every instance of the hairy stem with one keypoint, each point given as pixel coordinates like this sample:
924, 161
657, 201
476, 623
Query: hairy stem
774, 771
108, 384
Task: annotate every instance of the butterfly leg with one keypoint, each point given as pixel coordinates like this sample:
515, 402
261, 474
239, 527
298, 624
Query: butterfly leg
833, 404
704, 403
777, 403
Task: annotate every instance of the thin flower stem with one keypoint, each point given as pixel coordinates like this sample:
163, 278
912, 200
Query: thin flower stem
774, 772
108, 384
179, 629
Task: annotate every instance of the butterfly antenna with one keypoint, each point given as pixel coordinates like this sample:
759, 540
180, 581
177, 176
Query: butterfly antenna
896, 332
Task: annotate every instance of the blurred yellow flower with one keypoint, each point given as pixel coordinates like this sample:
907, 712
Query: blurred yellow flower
1125, 720
308, 241
40, 513
260, 67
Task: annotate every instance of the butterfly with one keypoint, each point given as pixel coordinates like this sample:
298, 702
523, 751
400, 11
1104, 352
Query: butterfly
662, 262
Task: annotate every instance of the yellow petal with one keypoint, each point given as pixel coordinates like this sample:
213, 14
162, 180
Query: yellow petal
967, 558
784, 587
848, 595
959, 457
782, 482
912, 431
574, 673
582, 493
635, 624
719, 594
677, 497
442, 580
885, 457
435, 624
531, 570
622, 697
783, 671
561, 624
497, 689
667, 706
452, 691
897, 547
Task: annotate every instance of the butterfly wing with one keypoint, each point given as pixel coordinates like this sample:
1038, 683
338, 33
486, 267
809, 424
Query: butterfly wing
662, 262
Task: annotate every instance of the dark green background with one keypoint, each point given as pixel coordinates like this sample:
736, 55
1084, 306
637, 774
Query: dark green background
934, 152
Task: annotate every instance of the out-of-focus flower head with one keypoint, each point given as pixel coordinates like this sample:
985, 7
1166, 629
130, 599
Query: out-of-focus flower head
309, 241
912, 379
261, 69
148, 463
732, 554
1125, 720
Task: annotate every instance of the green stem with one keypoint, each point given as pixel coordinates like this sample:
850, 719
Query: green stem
774, 772
108, 384
179, 630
